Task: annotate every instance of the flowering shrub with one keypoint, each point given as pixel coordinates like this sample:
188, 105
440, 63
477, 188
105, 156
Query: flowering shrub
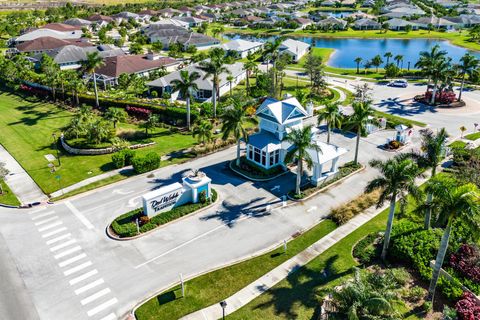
467, 307
138, 112
466, 261
443, 97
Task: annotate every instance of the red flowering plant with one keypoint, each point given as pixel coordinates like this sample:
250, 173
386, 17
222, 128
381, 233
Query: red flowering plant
468, 307
137, 112
467, 261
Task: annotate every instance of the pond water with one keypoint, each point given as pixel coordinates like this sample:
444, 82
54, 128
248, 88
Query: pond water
346, 50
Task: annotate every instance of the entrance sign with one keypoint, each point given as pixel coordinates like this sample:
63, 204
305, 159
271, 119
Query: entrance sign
162, 199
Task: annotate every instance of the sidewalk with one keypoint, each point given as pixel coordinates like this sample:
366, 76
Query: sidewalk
270, 279
22, 185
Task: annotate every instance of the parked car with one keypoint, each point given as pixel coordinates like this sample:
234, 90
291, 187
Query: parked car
398, 83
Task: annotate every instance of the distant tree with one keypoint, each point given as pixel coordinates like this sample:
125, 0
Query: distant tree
203, 131
136, 48
376, 62
115, 115
388, 55
408, 28
362, 114
469, 66
150, 123
332, 115
358, 60
186, 86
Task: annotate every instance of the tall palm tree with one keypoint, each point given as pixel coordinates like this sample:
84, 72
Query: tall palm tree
271, 49
432, 153
452, 201
388, 55
115, 115
203, 131
213, 67
469, 66
376, 62
234, 120
358, 60
428, 61
398, 58
440, 69
249, 67
362, 114
186, 85
301, 140
332, 115
93, 62
51, 71
397, 178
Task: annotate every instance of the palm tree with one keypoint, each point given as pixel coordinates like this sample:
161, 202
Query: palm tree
376, 62
429, 60
249, 66
432, 153
301, 140
271, 49
203, 131
362, 114
186, 85
398, 58
468, 67
387, 55
51, 71
234, 120
397, 178
230, 79
358, 60
213, 67
452, 201
440, 69
115, 115
332, 115
150, 123
93, 62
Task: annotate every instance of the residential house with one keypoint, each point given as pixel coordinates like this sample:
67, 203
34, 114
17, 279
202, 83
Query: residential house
242, 47
268, 149
366, 24
142, 64
125, 16
436, 22
296, 49
332, 23
47, 44
54, 30
168, 34
100, 20
303, 22
465, 20
400, 24
204, 84
192, 21
78, 22
169, 13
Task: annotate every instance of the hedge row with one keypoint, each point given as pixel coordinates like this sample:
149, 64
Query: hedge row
124, 226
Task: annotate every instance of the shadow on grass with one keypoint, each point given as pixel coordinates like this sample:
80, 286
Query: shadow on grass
167, 297
303, 289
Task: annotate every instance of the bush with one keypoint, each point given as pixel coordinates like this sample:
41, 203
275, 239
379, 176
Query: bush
466, 261
451, 288
400, 275
123, 158
415, 294
347, 211
253, 170
149, 162
366, 250
202, 197
467, 308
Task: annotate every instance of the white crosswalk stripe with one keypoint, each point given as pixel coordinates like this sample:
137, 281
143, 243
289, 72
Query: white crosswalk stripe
51, 233
46, 214
83, 277
67, 252
37, 210
72, 260
111, 316
55, 240
50, 226
39, 223
89, 286
63, 245
102, 307
95, 296
77, 268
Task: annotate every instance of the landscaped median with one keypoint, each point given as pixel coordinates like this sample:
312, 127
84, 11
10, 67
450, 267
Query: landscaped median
125, 226
7, 197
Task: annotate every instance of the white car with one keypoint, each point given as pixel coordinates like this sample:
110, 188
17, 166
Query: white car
398, 83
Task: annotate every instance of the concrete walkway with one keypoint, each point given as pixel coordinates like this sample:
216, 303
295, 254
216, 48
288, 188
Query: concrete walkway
256, 288
22, 185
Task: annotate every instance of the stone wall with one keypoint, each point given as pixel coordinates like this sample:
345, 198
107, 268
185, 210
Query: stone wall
92, 152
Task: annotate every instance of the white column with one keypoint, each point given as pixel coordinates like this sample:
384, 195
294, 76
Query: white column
334, 165
317, 173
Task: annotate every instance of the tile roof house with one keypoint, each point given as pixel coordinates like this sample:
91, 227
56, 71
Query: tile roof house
98, 18
296, 49
332, 22
400, 24
169, 12
192, 21
141, 64
366, 24
436, 22
46, 44
54, 30
465, 20
242, 47
303, 22
78, 22
168, 34
268, 149
205, 85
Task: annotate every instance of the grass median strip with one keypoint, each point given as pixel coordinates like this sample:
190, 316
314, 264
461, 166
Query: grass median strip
8, 197
217, 285
473, 136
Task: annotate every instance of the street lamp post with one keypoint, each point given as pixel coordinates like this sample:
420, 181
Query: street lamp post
55, 144
223, 304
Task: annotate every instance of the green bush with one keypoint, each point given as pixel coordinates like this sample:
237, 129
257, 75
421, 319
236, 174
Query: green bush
365, 251
149, 162
202, 197
122, 158
125, 226
415, 294
451, 288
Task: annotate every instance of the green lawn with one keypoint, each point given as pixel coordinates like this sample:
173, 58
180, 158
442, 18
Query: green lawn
473, 136
8, 197
217, 285
27, 128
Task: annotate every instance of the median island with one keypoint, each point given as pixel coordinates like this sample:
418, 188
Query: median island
164, 205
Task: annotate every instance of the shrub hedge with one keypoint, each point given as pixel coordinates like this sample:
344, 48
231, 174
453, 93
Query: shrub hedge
149, 162
347, 211
254, 171
124, 226
366, 250
122, 158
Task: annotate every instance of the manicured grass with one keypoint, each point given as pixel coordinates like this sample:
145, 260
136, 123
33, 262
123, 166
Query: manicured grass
217, 285
27, 127
8, 197
458, 145
473, 136
298, 296
394, 120
324, 53
349, 96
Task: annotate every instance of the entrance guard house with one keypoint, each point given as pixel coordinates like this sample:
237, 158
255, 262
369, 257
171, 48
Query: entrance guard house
277, 118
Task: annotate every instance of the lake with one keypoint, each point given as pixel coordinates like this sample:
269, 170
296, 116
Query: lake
346, 50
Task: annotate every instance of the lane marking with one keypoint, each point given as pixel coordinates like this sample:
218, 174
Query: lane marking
64, 236
102, 307
48, 234
39, 223
77, 268
67, 252
79, 215
83, 277
111, 316
36, 217
37, 210
89, 286
188, 242
63, 245
72, 260
95, 296
50, 226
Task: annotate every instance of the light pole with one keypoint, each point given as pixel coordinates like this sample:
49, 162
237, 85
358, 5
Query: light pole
55, 144
223, 304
